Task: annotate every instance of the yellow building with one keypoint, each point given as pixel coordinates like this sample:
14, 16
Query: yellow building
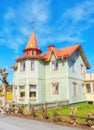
89, 87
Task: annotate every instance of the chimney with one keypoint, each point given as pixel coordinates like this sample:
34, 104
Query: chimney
50, 47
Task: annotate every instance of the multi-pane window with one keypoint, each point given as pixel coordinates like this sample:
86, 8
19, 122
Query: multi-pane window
22, 66
55, 65
32, 91
55, 88
88, 88
22, 91
74, 88
32, 65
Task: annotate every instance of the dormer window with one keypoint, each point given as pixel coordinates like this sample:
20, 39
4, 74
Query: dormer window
55, 65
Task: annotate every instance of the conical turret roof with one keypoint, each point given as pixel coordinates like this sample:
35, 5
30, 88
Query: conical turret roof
32, 43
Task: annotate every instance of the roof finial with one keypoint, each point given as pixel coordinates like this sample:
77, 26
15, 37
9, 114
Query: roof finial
33, 24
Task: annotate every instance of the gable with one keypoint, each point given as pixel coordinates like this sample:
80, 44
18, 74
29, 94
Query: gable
66, 53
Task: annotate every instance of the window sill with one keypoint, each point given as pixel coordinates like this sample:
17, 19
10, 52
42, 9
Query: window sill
21, 97
55, 94
32, 97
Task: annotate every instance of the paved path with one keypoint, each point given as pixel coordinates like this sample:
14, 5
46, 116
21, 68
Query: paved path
14, 123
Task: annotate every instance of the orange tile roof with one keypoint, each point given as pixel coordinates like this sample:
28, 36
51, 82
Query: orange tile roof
65, 52
32, 43
68, 51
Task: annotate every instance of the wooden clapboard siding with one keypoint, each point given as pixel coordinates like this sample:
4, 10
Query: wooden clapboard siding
76, 77
58, 76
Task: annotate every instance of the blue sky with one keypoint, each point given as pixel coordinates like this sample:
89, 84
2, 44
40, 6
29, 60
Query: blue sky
59, 22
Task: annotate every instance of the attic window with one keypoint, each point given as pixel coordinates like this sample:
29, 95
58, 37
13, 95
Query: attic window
55, 65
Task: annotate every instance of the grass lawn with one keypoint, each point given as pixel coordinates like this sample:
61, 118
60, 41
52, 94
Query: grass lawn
82, 110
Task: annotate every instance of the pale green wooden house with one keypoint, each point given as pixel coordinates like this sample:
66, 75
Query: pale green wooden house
56, 76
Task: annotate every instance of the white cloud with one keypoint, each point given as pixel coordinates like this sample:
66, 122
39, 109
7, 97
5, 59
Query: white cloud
67, 28
81, 12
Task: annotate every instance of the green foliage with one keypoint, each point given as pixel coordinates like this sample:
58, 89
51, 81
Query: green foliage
82, 110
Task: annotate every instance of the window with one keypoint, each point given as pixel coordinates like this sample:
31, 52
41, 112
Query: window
22, 91
82, 69
88, 88
73, 64
32, 52
55, 88
32, 91
32, 65
22, 66
55, 65
74, 88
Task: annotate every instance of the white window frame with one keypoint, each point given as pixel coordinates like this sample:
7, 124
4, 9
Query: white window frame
75, 88
22, 66
73, 66
54, 91
55, 65
32, 66
82, 69
89, 91
21, 91
34, 90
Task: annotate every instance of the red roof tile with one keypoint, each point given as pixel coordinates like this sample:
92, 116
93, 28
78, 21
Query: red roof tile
65, 52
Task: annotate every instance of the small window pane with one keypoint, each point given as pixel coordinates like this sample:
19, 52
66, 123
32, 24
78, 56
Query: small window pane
32, 91
54, 65
88, 88
22, 91
55, 88
74, 89
22, 66
32, 65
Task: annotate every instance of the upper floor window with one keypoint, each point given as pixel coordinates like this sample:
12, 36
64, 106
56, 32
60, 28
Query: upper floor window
32, 91
73, 66
22, 91
32, 52
82, 69
74, 88
32, 65
88, 88
55, 88
55, 65
22, 66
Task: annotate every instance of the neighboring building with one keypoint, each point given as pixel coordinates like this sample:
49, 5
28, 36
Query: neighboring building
89, 87
57, 75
